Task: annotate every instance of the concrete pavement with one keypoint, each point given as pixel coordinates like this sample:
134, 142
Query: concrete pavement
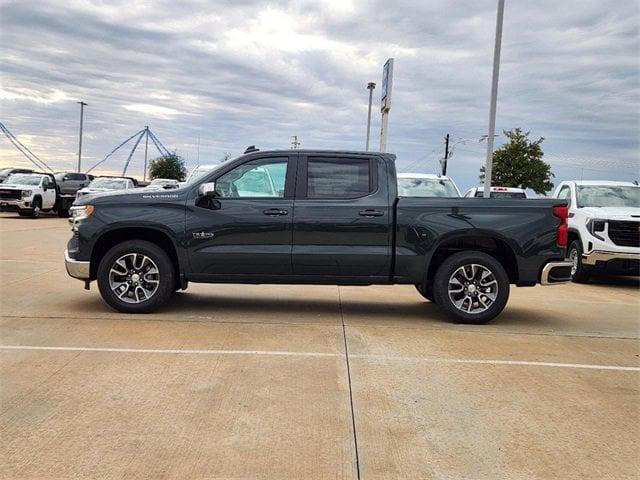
234, 381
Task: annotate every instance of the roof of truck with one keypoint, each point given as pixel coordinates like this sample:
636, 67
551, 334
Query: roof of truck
609, 183
500, 189
423, 175
321, 151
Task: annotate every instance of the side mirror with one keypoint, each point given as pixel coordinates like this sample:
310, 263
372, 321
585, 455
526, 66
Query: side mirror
207, 189
65, 178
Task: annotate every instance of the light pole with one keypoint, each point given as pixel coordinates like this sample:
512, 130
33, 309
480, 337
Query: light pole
82, 105
370, 87
146, 149
494, 98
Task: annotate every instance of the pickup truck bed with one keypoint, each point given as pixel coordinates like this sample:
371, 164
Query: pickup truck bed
315, 217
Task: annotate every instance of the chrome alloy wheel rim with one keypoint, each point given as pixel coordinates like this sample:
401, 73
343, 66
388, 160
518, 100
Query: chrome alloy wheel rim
134, 278
473, 288
573, 256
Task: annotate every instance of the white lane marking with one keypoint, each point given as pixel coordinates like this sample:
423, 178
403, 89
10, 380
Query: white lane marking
171, 351
502, 362
321, 354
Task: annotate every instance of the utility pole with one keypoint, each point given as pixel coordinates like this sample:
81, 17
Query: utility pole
146, 148
385, 107
370, 87
294, 142
82, 105
494, 98
446, 155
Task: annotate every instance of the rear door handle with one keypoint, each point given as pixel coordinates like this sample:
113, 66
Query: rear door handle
275, 212
370, 213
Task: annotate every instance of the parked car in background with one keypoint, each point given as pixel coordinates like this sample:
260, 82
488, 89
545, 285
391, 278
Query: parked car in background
426, 185
5, 172
497, 192
315, 217
70, 182
106, 184
200, 171
162, 184
604, 227
29, 194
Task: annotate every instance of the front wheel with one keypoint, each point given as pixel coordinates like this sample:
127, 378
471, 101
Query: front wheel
472, 287
136, 277
579, 272
36, 207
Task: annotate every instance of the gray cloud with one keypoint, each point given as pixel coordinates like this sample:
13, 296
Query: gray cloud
239, 73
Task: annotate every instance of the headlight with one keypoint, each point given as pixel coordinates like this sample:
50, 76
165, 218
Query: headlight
81, 212
596, 226
26, 193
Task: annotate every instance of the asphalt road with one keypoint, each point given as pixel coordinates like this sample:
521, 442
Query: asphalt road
306, 382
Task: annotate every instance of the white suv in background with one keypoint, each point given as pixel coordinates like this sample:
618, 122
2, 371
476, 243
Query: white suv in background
604, 227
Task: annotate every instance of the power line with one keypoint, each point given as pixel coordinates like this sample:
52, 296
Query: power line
116, 149
158, 144
135, 145
32, 157
139, 134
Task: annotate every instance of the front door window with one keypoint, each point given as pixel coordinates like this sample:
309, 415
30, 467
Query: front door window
261, 178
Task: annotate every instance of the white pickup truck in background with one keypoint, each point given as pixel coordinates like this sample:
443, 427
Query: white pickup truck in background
604, 227
29, 194
497, 192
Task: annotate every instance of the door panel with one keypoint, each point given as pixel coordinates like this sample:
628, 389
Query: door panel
342, 237
246, 229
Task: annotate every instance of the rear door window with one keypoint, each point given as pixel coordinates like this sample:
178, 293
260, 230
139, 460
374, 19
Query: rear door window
339, 178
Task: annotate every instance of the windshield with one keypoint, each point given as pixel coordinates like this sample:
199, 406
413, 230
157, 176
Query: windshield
426, 187
608, 196
480, 193
109, 183
24, 179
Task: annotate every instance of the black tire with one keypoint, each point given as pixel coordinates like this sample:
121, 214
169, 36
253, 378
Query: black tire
165, 276
498, 278
426, 291
63, 212
36, 207
582, 272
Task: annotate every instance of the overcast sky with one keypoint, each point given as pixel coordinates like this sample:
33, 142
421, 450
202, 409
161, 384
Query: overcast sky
240, 72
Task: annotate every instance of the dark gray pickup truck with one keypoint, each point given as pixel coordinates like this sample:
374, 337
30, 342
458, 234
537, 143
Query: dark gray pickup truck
315, 217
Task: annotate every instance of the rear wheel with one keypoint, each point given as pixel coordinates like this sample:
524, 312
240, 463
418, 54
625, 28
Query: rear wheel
136, 277
579, 272
472, 287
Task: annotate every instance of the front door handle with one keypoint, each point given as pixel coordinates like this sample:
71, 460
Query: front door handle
370, 213
275, 212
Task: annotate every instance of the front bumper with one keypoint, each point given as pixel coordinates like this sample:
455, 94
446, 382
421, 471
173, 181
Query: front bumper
601, 256
556, 272
77, 268
14, 205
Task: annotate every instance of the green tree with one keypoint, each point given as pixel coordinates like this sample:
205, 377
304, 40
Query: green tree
168, 166
518, 163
